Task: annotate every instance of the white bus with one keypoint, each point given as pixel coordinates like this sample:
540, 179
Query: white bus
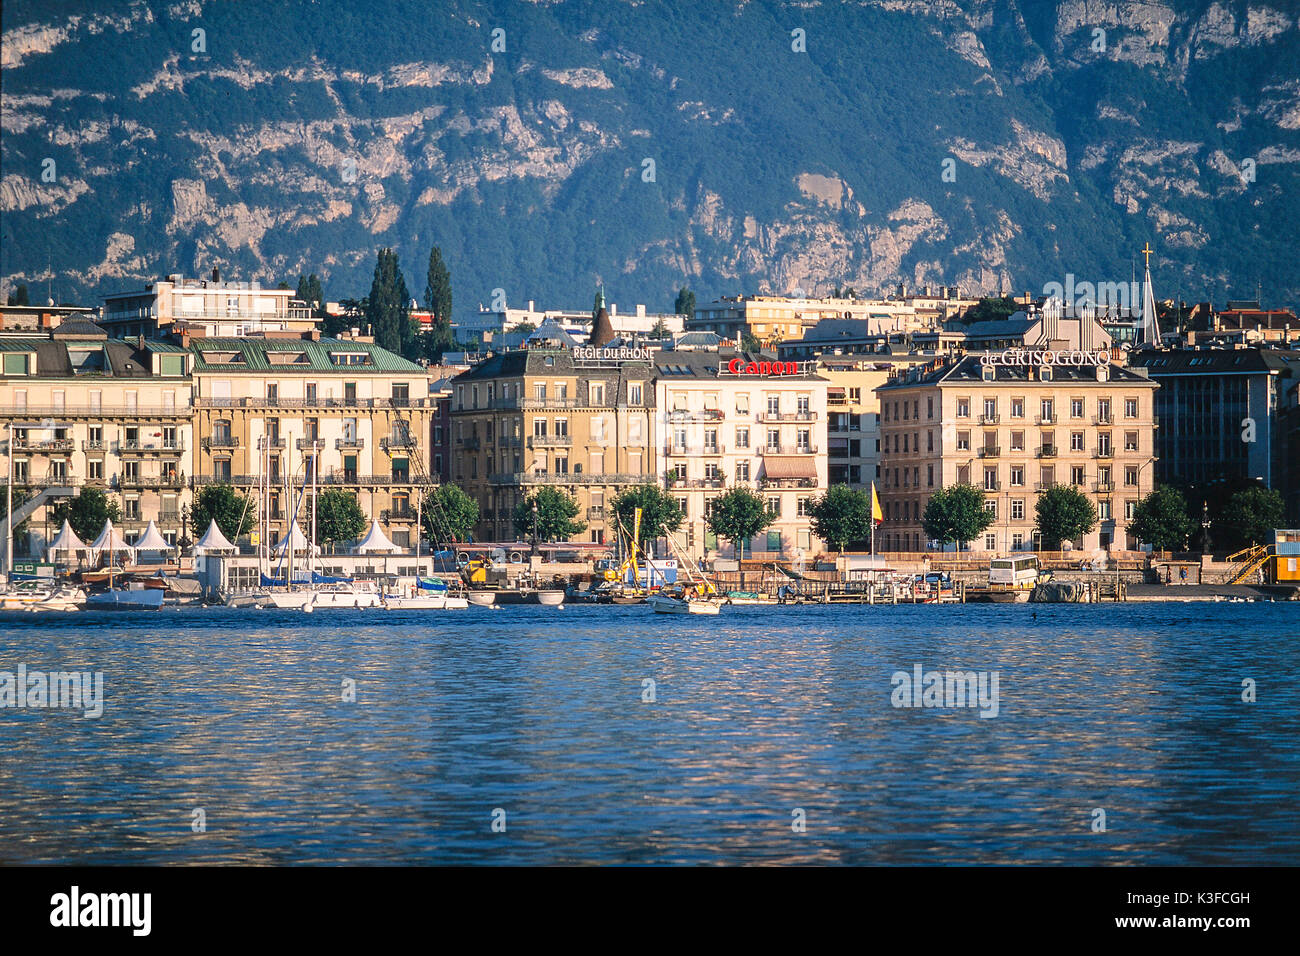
1019, 573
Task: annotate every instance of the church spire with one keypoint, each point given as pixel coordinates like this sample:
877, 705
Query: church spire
1150, 321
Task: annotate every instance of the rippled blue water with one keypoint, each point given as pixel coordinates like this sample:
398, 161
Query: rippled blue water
1134, 709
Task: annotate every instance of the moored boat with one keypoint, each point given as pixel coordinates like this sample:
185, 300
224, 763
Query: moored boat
125, 599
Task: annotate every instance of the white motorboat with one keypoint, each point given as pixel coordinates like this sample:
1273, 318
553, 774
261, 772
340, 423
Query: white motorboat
41, 596
344, 594
424, 594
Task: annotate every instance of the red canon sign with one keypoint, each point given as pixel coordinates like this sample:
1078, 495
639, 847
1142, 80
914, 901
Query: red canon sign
738, 366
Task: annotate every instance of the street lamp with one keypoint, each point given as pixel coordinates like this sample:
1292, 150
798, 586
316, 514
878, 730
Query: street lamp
533, 553
1205, 527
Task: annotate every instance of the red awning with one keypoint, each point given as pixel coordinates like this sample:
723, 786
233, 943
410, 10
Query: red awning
789, 466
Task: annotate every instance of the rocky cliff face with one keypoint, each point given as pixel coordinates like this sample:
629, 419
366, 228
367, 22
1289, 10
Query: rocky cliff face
765, 147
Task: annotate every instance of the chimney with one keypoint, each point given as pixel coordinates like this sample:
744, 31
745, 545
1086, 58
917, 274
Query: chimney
216, 274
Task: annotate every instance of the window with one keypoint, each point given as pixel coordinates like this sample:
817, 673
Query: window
991, 506
963, 441
402, 393
1103, 509
474, 395
1017, 509
990, 542
596, 391
712, 472
561, 464
539, 427
1076, 441
1130, 408
774, 505
742, 437
774, 404
1018, 476
1130, 508
855, 396
802, 403
539, 391
1130, 441
742, 403
561, 391
742, 470
929, 407
929, 476
1017, 441
801, 506
803, 438
990, 409
929, 441
95, 469
1131, 477
1077, 476
561, 428
1047, 411
774, 439
711, 441
963, 408
634, 394
1076, 408
1103, 410
272, 393
990, 479
1103, 444
679, 441
1017, 408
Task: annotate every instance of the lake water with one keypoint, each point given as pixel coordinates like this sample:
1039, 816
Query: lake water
771, 737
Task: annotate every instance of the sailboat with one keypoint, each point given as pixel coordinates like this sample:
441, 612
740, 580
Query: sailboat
699, 597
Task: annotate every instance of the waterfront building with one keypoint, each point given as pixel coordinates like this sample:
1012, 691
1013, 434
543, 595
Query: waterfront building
489, 324
205, 307
40, 319
775, 318
728, 418
1219, 414
853, 419
1016, 428
263, 406
579, 419
89, 411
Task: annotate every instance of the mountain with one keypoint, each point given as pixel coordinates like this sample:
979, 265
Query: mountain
741, 147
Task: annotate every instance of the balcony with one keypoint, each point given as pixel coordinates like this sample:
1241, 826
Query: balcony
271, 442
1047, 451
316, 444
1104, 453
990, 419
1045, 420
95, 411
990, 451
469, 444
787, 450
333, 479
349, 444
550, 441
990, 485
1046, 485
140, 448
397, 514
718, 482
766, 482
399, 442
276, 402
690, 415
93, 445
45, 447
567, 478
596, 513
787, 416
211, 442
149, 481
1104, 487
1103, 419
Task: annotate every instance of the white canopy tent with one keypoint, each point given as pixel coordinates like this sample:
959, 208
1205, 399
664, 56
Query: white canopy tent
376, 542
152, 541
65, 540
110, 540
300, 542
213, 540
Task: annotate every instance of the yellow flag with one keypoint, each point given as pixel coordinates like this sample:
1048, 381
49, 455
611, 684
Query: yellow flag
876, 514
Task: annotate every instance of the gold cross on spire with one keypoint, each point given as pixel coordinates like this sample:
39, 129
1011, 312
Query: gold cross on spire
1147, 251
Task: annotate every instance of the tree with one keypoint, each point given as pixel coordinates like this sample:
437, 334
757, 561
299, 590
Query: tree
87, 513
842, 515
388, 307
449, 514
991, 308
309, 291
658, 509
437, 290
1063, 514
1250, 517
738, 516
557, 516
685, 304
659, 330
20, 498
955, 514
748, 341
1161, 520
232, 511
523, 328
338, 517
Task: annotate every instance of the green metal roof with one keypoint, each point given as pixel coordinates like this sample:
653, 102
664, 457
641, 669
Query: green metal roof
255, 351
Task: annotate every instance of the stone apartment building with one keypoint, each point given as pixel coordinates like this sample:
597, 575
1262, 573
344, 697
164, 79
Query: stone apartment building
580, 419
1014, 429
264, 406
86, 410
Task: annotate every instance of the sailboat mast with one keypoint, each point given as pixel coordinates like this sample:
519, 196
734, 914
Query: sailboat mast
311, 555
291, 514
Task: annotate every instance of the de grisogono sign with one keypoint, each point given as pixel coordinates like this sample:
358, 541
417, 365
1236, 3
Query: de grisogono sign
1046, 357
